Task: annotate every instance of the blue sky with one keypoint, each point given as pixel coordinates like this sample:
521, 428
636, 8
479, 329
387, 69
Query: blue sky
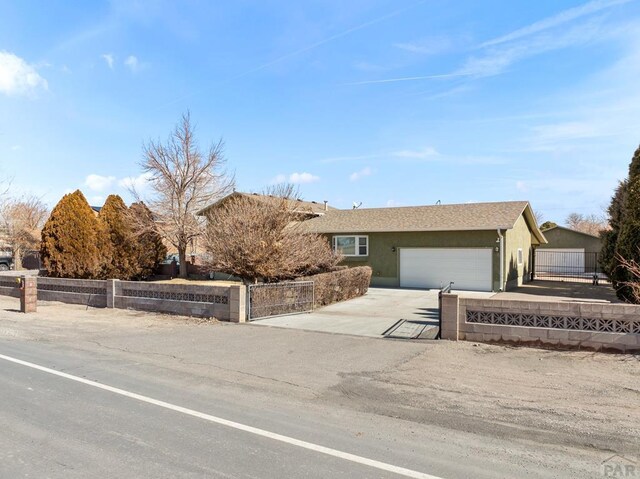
384, 102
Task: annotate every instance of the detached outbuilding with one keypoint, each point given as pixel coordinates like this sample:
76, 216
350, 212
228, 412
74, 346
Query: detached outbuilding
568, 254
478, 246
564, 239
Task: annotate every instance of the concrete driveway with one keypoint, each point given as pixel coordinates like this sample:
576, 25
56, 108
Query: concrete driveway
379, 313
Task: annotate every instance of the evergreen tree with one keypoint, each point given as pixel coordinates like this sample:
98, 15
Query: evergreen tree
610, 237
150, 247
70, 245
624, 213
120, 255
547, 225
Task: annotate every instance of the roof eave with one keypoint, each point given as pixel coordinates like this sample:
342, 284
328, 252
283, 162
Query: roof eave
410, 230
573, 231
530, 218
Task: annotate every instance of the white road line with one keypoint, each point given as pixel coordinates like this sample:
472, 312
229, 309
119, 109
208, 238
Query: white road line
235, 425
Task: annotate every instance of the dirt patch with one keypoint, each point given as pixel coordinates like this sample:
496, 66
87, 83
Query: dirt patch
569, 398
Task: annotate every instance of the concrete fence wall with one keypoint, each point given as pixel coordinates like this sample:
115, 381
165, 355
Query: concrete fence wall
226, 303
89, 292
222, 302
10, 286
594, 326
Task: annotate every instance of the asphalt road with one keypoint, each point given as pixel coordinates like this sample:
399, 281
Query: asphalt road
68, 413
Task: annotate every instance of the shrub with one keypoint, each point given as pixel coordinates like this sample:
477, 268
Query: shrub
339, 285
150, 251
627, 242
264, 241
122, 262
71, 242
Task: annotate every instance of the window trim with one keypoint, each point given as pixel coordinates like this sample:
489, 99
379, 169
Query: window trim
357, 245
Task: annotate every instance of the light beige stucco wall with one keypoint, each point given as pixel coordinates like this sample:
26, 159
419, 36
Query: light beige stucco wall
518, 237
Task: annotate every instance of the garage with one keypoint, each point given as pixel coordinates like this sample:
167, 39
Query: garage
561, 261
469, 268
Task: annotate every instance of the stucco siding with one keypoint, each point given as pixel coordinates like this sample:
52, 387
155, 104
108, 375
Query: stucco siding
563, 238
518, 238
384, 261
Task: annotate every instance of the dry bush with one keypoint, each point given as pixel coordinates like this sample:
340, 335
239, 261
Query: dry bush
591, 224
21, 221
263, 241
150, 250
339, 285
632, 286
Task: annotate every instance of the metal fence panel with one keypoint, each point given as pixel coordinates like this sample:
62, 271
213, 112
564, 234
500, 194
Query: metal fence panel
570, 266
275, 299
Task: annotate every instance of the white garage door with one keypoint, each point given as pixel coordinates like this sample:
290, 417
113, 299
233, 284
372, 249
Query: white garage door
469, 268
560, 260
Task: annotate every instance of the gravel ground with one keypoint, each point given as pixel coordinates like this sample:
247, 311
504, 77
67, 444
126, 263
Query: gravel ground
573, 399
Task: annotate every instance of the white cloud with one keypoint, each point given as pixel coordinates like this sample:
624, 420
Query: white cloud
98, 182
300, 178
555, 21
296, 178
550, 34
16, 147
17, 77
393, 203
355, 176
133, 63
138, 183
421, 154
521, 186
96, 200
497, 59
109, 58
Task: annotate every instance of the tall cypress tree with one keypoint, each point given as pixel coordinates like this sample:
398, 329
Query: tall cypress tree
121, 262
624, 214
150, 247
70, 243
610, 237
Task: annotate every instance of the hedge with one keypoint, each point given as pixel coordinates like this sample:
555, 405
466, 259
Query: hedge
339, 285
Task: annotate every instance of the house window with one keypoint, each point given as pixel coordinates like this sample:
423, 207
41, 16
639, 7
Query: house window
520, 258
351, 245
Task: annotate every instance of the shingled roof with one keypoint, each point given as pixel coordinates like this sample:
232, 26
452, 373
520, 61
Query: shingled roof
310, 208
462, 217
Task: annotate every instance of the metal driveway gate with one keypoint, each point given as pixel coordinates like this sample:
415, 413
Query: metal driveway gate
569, 266
275, 299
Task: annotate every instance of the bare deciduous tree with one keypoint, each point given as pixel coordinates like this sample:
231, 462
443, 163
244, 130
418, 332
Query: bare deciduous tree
264, 240
183, 180
633, 273
538, 216
22, 219
591, 224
